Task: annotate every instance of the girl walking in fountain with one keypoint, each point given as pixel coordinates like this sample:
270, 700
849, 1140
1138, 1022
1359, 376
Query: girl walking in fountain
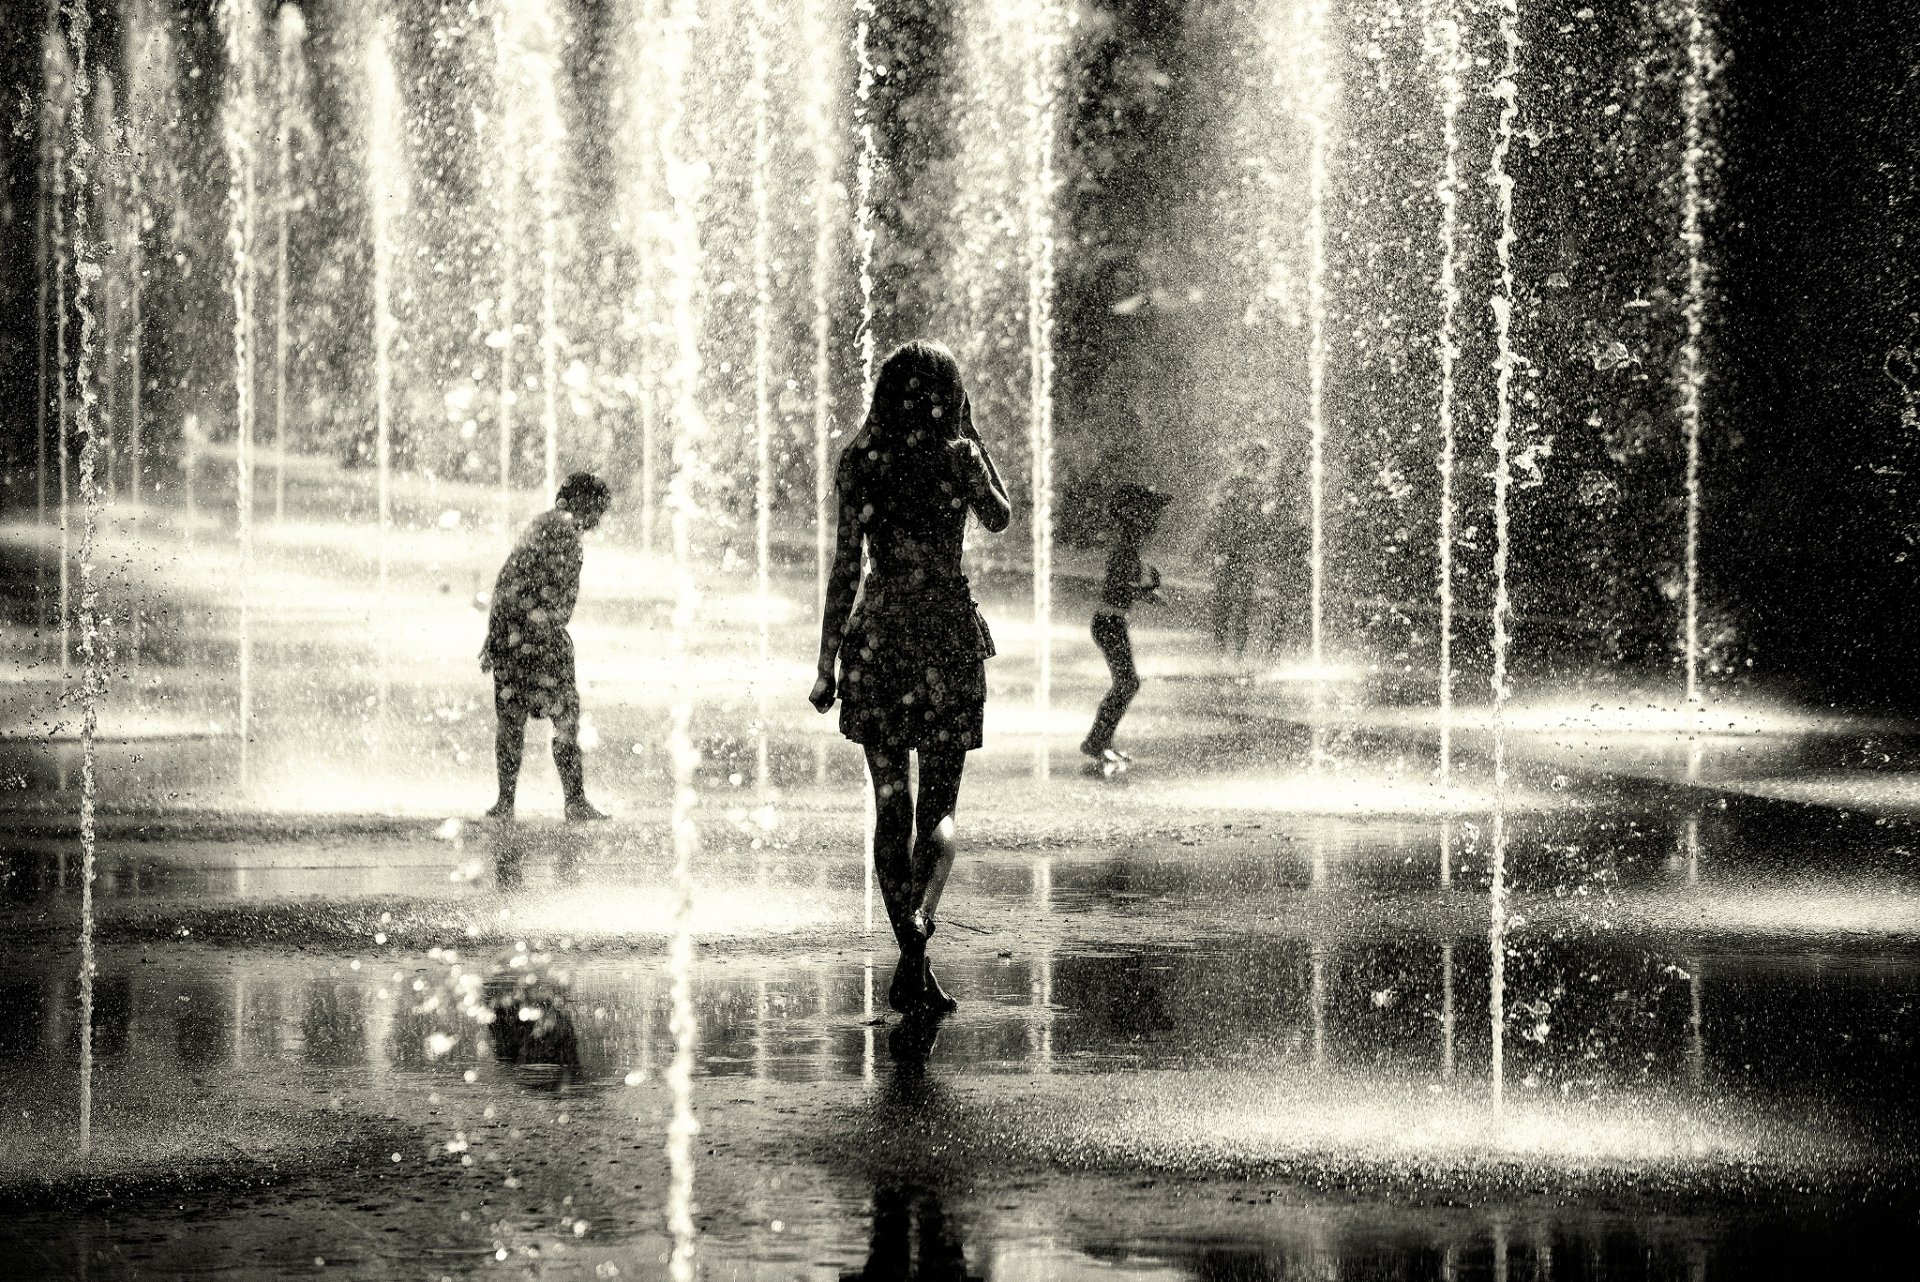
527, 648
912, 656
1135, 511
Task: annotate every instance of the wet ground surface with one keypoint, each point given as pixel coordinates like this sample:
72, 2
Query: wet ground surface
1257, 1047
1249, 1010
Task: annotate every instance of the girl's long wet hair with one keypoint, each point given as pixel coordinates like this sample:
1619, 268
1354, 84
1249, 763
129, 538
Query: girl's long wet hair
918, 402
917, 397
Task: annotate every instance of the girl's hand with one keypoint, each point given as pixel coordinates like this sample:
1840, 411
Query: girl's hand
963, 454
823, 692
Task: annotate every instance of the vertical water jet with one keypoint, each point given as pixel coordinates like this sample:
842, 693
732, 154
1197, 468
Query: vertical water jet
62, 88
1315, 109
386, 196
1044, 40
291, 87
1453, 65
47, 156
1694, 208
865, 168
238, 22
92, 643
507, 188
684, 179
1506, 92
820, 135
641, 134
758, 20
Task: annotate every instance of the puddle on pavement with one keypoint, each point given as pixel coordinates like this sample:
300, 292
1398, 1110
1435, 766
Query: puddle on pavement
1266, 1052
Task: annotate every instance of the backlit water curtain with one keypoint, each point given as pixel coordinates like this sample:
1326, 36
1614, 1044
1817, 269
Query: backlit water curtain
484, 264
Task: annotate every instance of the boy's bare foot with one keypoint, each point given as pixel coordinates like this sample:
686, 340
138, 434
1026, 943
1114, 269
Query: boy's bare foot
582, 811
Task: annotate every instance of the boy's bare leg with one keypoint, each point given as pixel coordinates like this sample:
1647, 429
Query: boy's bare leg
567, 759
509, 743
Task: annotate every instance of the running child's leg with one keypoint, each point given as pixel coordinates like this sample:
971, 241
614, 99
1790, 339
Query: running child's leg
1110, 633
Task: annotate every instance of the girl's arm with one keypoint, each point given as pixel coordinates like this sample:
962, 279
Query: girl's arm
986, 493
843, 581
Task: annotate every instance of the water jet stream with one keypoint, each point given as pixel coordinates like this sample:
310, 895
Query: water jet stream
291, 86
386, 180
48, 161
92, 645
507, 181
1694, 207
238, 23
1453, 67
758, 20
684, 178
63, 88
1045, 39
1315, 109
1507, 92
820, 133
864, 236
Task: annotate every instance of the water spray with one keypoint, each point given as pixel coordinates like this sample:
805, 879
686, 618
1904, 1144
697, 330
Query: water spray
1507, 92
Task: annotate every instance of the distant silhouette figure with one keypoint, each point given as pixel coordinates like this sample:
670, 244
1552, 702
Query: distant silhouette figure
1237, 541
912, 657
1134, 512
528, 650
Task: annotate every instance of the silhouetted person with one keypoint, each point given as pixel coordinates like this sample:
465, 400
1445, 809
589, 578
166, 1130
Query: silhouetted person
528, 650
1134, 512
1236, 542
912, 658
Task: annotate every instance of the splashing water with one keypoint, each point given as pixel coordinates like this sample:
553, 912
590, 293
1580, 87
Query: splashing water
1452, 58
386, 182
864, 236
238, 23
1507, 92
1694, 207
290, 87
640, 138
1315, 110
758, 20
507, 197
819, 116
865, 169
49, 137
546, 188
684, 181
63, 82
1045, 38
94, 653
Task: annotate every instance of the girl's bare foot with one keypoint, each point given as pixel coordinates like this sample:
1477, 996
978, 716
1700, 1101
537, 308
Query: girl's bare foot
933, 997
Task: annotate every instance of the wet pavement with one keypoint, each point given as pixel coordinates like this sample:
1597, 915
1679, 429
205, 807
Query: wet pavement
1238, 1048
1250, 1009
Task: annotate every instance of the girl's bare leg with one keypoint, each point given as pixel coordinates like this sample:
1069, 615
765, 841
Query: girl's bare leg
933, 845
893, 867
933, 851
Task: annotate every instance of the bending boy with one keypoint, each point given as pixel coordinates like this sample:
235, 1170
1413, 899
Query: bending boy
528, 650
